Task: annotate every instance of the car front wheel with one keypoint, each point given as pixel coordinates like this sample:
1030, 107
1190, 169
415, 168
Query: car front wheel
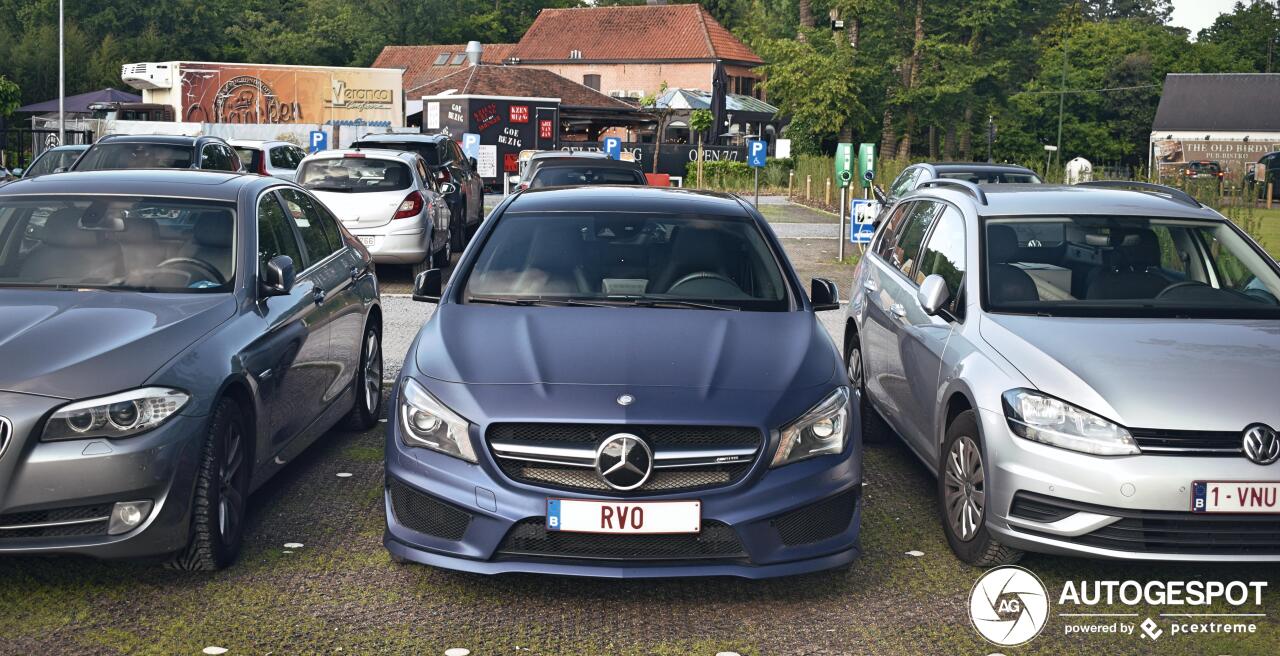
222, 489
962, 497
368, 383
874, 428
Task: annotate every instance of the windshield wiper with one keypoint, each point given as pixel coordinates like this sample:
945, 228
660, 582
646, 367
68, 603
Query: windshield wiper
540, 302
681, 303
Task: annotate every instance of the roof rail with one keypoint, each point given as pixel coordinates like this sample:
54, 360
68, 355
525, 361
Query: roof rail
1175, 194
973, 189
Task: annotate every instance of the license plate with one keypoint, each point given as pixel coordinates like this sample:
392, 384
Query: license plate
368, 241
582, 516
1251, 497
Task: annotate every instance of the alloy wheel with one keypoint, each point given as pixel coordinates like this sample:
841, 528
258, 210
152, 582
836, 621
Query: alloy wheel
372, 374
230, 498
964, 490
854, 368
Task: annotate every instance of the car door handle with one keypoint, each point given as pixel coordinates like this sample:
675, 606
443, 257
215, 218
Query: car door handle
898, 310
318, 295
356, 272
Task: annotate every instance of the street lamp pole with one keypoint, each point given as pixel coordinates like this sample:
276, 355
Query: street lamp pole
62, 83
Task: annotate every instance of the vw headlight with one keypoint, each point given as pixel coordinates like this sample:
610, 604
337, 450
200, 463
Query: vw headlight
820, 431
426, 422
1042, 418
119, 415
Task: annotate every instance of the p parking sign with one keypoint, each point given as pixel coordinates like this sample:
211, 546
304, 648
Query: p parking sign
613, 147
319, 140
757, 153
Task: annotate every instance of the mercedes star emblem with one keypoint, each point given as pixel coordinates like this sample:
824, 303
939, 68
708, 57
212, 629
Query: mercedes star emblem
624, 462
1261, 444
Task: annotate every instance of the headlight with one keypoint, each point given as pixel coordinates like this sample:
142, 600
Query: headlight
119, 415
426, 422
1041, 418
819, 431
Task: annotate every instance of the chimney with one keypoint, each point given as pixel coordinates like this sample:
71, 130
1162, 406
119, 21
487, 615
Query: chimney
474, 51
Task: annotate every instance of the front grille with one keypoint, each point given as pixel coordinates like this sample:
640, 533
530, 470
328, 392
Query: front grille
427, 514
56, 518
1188, 533
817, 521
585, 437
530, 538
1188, 443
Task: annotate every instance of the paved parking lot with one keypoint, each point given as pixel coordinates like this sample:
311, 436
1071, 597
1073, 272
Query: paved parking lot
339, 593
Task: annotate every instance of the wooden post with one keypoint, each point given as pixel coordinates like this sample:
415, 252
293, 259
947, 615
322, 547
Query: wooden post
1269, 186
791, 178
826, 195
808, 186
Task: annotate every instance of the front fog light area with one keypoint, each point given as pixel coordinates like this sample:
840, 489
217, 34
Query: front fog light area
128, 515
820, 431
1042, 418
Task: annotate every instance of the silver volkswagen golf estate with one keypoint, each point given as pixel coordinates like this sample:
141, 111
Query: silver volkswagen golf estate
1089, 370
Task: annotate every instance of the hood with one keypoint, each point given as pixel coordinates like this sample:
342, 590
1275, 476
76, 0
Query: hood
367, 209
77, 344
708, 349
1175, 374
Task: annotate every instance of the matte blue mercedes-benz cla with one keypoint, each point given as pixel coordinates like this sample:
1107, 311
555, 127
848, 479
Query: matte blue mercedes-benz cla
624, 382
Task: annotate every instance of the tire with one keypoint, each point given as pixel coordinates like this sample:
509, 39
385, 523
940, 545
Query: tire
458, 228
441, 258
874, 428
368, 383
222, 490
966, 531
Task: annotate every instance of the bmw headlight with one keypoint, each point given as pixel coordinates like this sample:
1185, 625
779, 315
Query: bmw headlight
820, 431
1042, 418
119, 415
426, 422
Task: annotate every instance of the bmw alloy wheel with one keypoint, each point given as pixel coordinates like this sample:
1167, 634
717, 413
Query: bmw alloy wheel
372, 374
230, 500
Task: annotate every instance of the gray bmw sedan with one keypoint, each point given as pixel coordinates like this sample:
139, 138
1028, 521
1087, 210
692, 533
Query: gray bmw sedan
169, 340
1089, 370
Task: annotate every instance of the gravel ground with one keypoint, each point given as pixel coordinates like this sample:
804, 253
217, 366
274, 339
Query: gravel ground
340, 594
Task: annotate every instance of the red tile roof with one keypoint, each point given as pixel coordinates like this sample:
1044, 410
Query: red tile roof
631, 33
419, 62
517, 81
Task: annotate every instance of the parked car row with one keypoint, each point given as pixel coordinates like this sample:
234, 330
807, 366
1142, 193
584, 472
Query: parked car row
631, 381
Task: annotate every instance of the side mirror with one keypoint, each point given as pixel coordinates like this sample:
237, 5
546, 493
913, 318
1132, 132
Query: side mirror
277, 277
513, 179
474, 163
427, 286
824, 295
933, 294
17, 173
448, 188
60, 169
878, 191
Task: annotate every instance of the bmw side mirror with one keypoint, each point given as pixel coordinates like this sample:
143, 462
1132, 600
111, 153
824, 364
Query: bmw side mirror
824, 295
277, 276
427, 286
878, 191
933, 294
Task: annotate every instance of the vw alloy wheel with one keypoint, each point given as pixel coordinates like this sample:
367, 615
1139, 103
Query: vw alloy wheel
965, 493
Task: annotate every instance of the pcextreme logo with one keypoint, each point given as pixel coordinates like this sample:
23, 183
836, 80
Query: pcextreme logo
1009, 606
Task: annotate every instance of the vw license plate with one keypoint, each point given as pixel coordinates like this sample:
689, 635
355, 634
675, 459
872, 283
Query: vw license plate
1235, 497
581, 516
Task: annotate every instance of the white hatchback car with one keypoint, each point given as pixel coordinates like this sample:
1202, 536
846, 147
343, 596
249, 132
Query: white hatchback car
386, 198
278, 159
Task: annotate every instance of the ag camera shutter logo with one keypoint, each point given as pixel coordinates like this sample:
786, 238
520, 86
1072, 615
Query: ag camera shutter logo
1008, 606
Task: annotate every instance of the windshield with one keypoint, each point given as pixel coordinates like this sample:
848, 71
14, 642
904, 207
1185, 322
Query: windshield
628, 259
354, 175
993, 177
146, 244
118, 155
560, 176
250, 158
52, 161
1126, 266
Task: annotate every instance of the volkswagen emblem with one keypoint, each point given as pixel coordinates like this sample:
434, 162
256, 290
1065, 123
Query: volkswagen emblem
1261, 444
6, 434
626, 400
624, 462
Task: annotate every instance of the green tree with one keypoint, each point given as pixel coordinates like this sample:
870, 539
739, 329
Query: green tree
700, 120
1250, 33
10, 97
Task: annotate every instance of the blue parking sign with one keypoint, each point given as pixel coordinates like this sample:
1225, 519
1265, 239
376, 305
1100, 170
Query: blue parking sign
319, 141
757, 151
613, 147
471, 144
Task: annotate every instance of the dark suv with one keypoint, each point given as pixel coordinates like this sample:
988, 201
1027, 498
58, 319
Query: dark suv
445, 159
158, 151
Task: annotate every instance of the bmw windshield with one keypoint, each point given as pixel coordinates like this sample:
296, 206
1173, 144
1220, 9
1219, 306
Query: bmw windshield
636, 259
125, 243
1126, 266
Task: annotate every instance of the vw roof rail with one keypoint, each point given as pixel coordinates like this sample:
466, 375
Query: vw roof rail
973, 189
1175, 194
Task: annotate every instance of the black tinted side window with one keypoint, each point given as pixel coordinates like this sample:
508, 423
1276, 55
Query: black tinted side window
889, 233
319, 235
275, 235
914, 228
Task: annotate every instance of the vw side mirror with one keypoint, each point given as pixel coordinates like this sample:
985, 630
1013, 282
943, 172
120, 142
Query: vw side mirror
427, 286
933, 294
277, 276
824, 295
